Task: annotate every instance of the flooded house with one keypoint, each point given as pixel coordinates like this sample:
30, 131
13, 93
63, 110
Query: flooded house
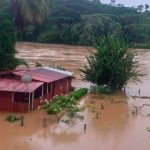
22, 90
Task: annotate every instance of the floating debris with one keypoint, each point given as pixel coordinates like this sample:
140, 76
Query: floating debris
148, 129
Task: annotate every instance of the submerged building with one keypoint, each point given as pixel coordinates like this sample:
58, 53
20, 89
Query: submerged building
19, 96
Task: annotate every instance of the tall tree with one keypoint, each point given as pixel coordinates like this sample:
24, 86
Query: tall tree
23, 11
113, 2
7, 43
140, 8
112, 64
146, 7
26, 11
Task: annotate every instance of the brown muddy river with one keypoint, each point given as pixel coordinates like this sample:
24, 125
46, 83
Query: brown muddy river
116, 127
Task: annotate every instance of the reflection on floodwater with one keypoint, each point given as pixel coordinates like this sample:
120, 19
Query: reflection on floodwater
112, 127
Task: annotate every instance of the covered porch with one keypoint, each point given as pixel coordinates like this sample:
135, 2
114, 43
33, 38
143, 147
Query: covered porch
28, 101
19, 97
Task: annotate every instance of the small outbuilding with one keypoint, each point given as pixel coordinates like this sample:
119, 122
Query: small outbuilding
46, 83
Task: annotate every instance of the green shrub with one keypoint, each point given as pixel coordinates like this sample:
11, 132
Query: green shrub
78, 93
8, 61
94, 89
100, 90
12, 118
37, 64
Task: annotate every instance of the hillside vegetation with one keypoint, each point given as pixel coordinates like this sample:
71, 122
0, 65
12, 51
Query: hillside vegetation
82, 22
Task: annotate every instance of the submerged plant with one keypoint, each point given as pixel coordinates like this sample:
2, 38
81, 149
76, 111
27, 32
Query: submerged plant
12, 118
95, 89
93, 109
148, 129
57, 67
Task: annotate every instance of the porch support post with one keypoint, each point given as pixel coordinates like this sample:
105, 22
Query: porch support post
51, 89
42, 90
67, 87
12, 97
47, 88
33, 100
29, 103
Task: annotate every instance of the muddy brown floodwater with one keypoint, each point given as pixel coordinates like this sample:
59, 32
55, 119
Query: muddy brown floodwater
113, 128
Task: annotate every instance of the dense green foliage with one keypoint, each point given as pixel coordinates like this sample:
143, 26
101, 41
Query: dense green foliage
25, 11
95, 89
66, 104
19, 13
112, 65
83, 22
79, 93
7, 43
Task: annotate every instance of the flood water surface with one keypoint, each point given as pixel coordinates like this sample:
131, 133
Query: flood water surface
116, 127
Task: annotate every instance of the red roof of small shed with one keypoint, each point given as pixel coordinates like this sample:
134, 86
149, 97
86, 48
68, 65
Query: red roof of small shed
12, 85
42, 74
34, 76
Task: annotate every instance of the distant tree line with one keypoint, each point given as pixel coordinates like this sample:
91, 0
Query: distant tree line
83, 22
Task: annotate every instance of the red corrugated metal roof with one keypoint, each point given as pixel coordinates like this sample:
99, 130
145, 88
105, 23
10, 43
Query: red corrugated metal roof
44, 75
49, 73
12, 85
34, 76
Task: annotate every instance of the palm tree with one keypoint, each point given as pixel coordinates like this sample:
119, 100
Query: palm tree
146, 7
113, 2
26, 11
140, 8
23, 12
